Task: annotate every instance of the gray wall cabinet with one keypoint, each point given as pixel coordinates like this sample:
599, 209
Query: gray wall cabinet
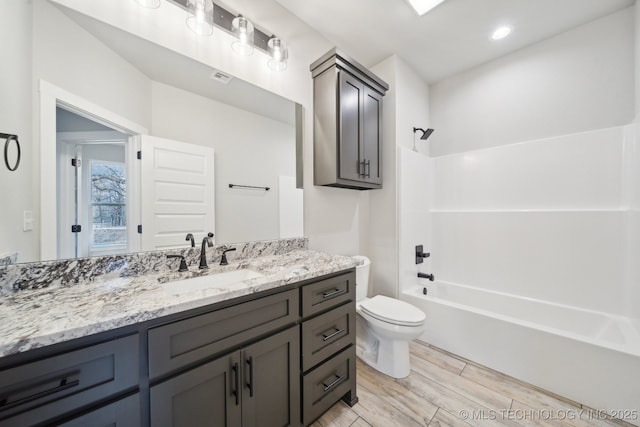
347, 123
272, 359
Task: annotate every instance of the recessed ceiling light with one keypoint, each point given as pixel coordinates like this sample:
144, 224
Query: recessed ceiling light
500, 33
423, 6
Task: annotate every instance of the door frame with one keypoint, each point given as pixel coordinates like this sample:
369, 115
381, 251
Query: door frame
52, 96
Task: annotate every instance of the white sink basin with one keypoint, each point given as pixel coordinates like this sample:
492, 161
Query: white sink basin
218, 280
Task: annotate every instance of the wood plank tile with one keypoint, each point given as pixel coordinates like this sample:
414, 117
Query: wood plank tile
436, 356
340, 415
445, 419
520, 410
461, 385
449, 400
527, 395
378, 411
398, 396
361, 422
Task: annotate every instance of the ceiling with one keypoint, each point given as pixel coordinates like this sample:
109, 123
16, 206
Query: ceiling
449, 39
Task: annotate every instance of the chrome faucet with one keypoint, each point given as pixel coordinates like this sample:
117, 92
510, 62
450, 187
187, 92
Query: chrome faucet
206, 241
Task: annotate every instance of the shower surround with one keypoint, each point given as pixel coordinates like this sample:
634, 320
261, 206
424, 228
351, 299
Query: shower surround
534, 249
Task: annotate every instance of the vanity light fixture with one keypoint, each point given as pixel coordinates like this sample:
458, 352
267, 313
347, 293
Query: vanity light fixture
278, 54
200, 17
501, 32
150, 4
242, 28
203, 15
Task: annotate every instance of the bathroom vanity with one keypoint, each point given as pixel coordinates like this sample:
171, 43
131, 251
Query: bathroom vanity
274, 350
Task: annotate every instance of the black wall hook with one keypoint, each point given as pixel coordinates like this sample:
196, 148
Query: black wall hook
8, 138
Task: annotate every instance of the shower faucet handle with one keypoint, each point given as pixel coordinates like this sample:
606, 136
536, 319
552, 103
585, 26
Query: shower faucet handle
421, 255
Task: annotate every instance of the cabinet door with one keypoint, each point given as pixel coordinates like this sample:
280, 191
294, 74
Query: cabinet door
271, 383
372, 136
350, 119
204, 396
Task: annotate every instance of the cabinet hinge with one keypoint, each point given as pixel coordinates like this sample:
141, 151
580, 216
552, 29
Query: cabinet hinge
140, 228
77, 228
139, 155
76, 163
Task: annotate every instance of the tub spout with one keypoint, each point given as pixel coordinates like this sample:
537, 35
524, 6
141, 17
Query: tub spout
426, 276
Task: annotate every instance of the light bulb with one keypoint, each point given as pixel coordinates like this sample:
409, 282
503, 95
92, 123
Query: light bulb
242, 28
197, 20
278, 53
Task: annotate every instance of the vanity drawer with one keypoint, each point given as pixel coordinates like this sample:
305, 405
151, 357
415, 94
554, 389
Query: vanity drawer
325, 385
189, 341
38, 391
323, 295
327, 334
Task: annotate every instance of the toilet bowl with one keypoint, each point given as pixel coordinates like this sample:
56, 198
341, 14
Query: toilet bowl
384, 327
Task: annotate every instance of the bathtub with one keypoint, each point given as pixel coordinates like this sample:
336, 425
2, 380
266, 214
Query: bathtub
590, 357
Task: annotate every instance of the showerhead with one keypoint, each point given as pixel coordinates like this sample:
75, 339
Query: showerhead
425, 133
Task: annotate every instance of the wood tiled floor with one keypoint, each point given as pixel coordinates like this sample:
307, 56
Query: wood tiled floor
445, 390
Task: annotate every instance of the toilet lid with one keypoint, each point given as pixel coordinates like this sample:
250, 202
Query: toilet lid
394, 311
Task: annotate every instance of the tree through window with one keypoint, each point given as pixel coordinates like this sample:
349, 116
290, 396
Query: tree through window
108, 204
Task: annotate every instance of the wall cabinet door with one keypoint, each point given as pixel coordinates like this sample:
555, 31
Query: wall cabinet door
205, 396
360, 144
351, 116
271, 393
372, 136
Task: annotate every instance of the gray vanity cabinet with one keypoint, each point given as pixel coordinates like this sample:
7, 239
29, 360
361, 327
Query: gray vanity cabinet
328, 345
52, 387
122, 413
255, 386
347, 123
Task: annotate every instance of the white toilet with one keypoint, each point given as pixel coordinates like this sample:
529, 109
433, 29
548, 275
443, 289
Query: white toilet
384, 327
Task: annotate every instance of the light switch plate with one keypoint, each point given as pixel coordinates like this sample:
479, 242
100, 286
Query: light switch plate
27, 221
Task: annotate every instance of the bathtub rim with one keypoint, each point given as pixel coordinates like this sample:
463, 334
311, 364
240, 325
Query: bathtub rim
632, 350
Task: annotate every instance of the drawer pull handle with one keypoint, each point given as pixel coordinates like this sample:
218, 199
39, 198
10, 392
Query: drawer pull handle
64, 384
333, 383
329, 294
236, 391
250, 383
327, 337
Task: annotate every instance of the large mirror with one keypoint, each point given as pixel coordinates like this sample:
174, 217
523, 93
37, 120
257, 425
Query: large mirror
134, 145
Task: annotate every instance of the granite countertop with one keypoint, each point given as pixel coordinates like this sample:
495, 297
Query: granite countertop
39, 317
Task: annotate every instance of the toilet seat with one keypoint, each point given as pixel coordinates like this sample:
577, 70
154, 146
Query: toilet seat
391, 310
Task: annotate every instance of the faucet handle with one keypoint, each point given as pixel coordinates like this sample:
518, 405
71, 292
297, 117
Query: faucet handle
420, 254
223, 260
183, 262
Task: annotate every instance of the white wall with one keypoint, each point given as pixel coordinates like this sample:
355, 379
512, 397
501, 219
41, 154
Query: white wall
15, 118
544, 219
636, 8
405, 106
249, 149
579, 80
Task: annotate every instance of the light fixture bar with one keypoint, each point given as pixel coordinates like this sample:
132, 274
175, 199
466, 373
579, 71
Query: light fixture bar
223, 19
423, 6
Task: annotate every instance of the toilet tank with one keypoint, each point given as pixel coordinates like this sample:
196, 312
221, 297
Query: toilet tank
362, 277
